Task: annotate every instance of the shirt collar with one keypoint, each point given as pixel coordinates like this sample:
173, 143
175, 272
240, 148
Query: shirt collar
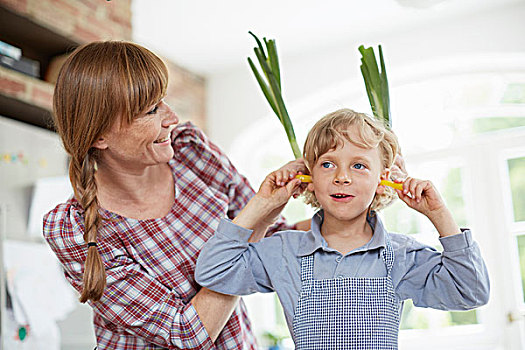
313, 240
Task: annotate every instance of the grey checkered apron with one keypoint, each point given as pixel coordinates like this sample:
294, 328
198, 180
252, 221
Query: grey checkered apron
347, 313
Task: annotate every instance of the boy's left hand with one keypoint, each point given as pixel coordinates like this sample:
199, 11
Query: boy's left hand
421, 195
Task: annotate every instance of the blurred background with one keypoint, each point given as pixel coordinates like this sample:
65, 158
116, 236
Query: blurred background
456, 71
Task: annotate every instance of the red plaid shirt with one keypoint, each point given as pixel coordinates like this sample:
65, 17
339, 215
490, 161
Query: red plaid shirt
150, 263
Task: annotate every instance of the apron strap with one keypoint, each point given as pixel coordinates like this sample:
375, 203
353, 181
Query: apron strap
388, 254
307, 268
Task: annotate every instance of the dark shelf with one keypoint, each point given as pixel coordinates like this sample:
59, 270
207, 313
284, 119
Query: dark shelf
25, 112
37, 42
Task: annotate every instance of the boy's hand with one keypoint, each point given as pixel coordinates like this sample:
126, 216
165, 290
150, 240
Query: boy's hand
289, 170
274, 194
275, 191
421, 195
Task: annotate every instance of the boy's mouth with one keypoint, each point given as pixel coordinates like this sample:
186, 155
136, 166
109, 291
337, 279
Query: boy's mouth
340, 195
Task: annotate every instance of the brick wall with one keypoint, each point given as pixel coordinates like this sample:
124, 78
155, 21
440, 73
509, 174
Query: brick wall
88, 20
25, 89
81, 20
187, 95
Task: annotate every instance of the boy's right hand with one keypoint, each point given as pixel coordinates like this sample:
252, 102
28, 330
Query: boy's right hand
264, 208
289, 171
277, 189
270, 200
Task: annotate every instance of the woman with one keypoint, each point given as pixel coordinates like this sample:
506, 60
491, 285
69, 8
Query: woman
148, 194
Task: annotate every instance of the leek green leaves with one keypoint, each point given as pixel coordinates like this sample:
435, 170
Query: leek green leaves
270, 85
376, 84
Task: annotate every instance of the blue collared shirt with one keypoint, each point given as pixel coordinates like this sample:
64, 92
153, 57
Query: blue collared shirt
456, 279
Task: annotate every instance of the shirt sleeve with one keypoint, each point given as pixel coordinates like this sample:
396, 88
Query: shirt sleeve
228, 264
456, 279
133, 300
194, 150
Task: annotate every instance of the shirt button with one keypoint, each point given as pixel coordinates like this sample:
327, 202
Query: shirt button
338, 259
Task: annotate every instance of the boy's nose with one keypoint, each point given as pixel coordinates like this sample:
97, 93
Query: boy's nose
342, 178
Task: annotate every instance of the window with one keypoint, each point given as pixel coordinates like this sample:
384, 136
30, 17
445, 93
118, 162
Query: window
516, 199
516, 168
446, 175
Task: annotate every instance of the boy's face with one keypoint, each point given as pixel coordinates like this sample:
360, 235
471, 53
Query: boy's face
346, 179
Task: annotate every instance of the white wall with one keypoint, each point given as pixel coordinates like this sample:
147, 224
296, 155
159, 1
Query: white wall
235, 101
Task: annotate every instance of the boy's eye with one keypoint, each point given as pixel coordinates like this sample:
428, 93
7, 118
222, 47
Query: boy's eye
359, 166
154, 110
326, 165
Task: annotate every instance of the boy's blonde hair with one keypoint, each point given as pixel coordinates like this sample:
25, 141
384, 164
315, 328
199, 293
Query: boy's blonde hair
332, 130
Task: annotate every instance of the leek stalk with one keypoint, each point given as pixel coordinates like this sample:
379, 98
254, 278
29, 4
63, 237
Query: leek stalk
270, 85
376, 83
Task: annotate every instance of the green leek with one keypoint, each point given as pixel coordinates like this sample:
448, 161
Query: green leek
376, 83
270, 85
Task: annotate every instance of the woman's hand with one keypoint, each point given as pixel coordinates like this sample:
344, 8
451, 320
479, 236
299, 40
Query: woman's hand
422, 196
398, 171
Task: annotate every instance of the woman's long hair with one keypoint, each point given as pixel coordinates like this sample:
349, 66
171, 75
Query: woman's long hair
99, 83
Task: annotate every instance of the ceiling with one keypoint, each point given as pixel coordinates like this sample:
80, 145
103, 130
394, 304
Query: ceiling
208, 36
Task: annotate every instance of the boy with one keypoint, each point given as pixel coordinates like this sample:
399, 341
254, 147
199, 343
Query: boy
342, 284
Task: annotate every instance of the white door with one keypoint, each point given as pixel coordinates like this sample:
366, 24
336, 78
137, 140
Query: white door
483, 183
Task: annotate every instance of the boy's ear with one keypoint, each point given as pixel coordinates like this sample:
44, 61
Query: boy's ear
310, 187
100, 143
385, 175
